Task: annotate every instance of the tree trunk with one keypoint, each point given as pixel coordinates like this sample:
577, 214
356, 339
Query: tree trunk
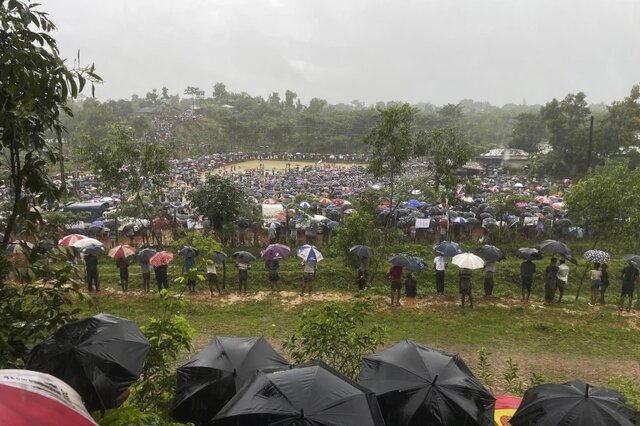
16, 179
586, 269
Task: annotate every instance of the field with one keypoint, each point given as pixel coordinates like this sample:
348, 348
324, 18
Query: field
279, 165
562, 341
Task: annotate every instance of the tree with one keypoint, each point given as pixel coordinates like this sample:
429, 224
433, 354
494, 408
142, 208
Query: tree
220, 199
607, 200
392, 142
219, 91
35, 88
528, 132
449, 114
621, 126
449, 151
568, 126
289, 99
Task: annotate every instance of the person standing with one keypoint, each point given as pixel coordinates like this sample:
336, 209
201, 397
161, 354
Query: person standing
629, 279
162, 278
410, 286
440, 264
550, 280
595, 279
489, 270
91, 267
527, 270
212, 277
604, 282
396, 284
243, 276
464, 286
145, 268
273, 266
309, 275
189, 263
362, 279
562, 278
123, 266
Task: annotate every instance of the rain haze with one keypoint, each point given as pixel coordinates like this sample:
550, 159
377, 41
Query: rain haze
414, 51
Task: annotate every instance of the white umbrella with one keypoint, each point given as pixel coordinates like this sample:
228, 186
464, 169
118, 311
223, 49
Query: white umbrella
88, 243
468, 261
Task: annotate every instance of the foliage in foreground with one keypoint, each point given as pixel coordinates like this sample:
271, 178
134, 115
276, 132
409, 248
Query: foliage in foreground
168, 336
336, 334
131, 416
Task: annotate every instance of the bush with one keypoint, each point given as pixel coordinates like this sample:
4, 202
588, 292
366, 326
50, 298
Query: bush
335, 334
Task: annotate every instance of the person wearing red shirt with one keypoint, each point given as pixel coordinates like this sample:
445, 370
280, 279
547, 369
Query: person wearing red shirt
396, 284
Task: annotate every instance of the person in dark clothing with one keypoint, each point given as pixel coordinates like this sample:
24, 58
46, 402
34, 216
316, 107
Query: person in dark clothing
629, 278
489, 270
362, 279
396, 284
527, 270
410, 286
91, 266
123, 266
162, 278
604, 282
272, 275
550, 277
465, 286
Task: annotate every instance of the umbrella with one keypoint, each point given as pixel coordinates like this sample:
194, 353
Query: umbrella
411, 263
188, 251
211, 378
309, 253
414, 203
71, 239
573, 403
506, 406
468, 261
597, 256
490, 253
87, 243
161, 258
97, 223
361, 251
243, 256
305, 204
634, 259
332, 224
275, 252
308, 395
121, 251
419, 385
99, 356
95, 250
528, 253
32, 398
555, 247
447, 248
219, 256
145, 254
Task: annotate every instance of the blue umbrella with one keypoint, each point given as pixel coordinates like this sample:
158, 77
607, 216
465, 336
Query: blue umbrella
309, 253
305, 205
413, 203
332, 224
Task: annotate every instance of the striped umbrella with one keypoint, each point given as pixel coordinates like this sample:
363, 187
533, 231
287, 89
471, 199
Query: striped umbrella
162, 258
121, 251
71, 239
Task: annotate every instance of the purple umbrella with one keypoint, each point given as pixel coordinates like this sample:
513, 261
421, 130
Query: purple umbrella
275, 252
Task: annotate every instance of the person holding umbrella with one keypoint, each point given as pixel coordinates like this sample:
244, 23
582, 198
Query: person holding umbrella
309, 275
160, 262
551, 279
272, 266
212, 277
145, 267
91, 268
629, 279
562, 278
527, 270
595, 279
243, 275
123, 266
467, 262
395, 273
440, 264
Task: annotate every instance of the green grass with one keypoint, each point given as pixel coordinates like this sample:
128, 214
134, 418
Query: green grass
562, 341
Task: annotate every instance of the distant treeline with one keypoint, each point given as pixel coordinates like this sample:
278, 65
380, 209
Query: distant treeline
200, 122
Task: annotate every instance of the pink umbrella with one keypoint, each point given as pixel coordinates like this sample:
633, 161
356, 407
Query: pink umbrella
521, 204
543, 200
32, 398
70, 240
161, 258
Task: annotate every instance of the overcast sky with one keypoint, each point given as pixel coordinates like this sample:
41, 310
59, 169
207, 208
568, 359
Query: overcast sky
438, 51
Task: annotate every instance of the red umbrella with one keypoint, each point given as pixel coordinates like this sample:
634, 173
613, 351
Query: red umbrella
161, 258
31, 398
71, 239
121, 251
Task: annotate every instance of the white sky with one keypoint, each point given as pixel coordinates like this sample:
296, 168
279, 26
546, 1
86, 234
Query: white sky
439, 51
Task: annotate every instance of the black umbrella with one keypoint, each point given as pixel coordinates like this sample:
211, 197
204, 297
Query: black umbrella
419, 385
573, 403
634, 259
361, 251
448, 248
313, 395
210, 379
555, 247
528, 253
244, 256
490, 253
411, 263
188, 251
99, 356
145, 254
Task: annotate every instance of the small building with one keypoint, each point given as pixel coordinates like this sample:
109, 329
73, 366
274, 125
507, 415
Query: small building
504, 157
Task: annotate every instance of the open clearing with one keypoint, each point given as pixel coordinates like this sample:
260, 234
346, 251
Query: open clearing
279, 165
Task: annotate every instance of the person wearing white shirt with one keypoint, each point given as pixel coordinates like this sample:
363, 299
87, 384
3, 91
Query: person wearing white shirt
440, 263
562, 278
